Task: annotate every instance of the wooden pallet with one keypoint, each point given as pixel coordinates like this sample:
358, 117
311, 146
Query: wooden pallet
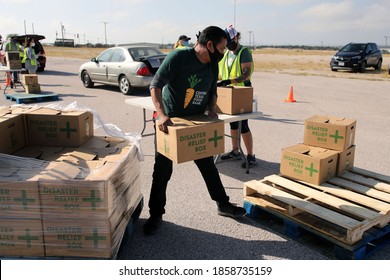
28, 98
344, 210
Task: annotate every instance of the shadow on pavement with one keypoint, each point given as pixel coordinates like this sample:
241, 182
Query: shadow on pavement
57, 73
181, 243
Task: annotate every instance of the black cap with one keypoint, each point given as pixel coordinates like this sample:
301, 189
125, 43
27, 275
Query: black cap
184, 38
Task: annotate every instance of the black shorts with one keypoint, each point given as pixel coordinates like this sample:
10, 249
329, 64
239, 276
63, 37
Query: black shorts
244, 126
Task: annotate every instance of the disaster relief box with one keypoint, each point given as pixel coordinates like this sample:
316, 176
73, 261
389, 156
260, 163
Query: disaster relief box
191, 138
21, 237
234, 100
329, 132
50, 127
346, 159
309, 164
12, 131
13, 60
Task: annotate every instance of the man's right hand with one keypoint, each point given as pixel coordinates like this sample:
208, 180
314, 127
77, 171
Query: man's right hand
163, 123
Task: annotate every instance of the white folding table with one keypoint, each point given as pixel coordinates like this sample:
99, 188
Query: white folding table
146, 103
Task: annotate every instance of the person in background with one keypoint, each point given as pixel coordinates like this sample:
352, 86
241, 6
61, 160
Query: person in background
236, 68
197, 69
14, 46
182, 43
30, 58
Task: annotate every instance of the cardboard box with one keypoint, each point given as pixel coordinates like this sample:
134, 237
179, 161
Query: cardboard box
346, 160
49, 127
21, 237
12, 130
310, 164
30, 79
78, 238
191, 138
13, 60
234, 100
36, 88
330, 132
19, 199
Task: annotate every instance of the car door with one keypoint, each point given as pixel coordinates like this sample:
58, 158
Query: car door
115, 65
98, 71
370, 55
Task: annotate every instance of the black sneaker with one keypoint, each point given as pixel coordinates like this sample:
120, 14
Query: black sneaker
231, 155
229, 210
152, 224
251, 161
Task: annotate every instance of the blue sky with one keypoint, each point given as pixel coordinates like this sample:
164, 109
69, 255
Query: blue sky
307, 22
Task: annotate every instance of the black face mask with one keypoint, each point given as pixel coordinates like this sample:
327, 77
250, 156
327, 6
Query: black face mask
232, 46
216, 56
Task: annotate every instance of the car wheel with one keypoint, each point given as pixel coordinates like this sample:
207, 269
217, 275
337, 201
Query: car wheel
87, 80
363, 67
379, 65
334, 70
124, 85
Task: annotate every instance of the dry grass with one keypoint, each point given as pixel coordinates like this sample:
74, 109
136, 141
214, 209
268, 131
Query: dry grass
289, 61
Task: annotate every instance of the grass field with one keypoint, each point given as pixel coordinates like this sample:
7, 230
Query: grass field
289, 61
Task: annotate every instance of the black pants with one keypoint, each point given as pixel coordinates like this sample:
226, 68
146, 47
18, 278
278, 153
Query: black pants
162, 174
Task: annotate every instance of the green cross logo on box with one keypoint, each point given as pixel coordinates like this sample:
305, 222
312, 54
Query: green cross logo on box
330, 132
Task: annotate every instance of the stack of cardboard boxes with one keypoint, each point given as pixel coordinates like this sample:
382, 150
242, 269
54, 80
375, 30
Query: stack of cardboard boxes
64, 192
30, 83
13, 60
327, 151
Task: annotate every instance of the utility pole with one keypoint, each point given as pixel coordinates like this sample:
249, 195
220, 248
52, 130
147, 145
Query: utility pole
250, 36
62, 32
234, 19
105, 31
25, 27
33, 28
386, 37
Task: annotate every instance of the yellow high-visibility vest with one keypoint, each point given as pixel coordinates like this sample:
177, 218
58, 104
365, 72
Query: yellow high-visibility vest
235, 70
32, 61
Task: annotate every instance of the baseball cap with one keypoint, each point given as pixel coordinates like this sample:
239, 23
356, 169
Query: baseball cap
184, 38
231, 32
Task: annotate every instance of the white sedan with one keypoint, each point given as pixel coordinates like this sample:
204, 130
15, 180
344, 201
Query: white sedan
127, 67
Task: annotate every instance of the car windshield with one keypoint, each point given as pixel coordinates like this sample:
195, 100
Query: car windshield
353, 48
143, 52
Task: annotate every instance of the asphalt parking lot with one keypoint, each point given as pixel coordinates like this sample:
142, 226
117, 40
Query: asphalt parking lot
191, 228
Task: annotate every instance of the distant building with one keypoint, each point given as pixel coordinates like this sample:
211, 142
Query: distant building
64, 42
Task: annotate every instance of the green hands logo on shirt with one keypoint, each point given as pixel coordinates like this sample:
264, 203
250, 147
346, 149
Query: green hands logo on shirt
191, 91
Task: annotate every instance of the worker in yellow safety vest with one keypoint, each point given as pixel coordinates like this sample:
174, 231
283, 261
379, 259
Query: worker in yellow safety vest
14, 46
236, 68
30, 59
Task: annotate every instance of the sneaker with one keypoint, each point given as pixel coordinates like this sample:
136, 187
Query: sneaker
229, 210
152, 224
231, 155
251, 161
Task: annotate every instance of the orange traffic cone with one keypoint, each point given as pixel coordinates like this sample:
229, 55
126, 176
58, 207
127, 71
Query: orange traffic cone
290, 96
